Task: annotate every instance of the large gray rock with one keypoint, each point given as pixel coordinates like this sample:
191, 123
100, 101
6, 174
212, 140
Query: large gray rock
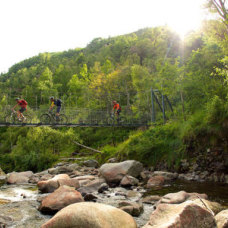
132, 208
19, 178
52, 184
213, 207
155, 182
128, 181
91, 163
59, 199
59, 170
187, 215
114, 172
222, 219
91, 215
92, 186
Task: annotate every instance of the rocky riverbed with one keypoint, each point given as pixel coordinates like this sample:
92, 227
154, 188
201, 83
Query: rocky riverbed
81, 195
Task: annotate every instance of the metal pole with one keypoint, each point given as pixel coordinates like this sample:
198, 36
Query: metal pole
152, 103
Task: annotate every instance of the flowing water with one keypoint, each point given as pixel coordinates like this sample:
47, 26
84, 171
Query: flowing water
18, 193
215, 191
18, 207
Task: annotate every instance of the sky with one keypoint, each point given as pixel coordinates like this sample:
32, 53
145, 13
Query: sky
30, 27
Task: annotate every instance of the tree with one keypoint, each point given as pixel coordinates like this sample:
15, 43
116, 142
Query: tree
220, 7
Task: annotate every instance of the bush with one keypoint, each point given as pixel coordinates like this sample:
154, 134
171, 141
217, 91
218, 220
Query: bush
216, 111
151, 146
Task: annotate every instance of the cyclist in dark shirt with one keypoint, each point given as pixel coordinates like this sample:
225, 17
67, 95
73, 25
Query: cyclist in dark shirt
58, 104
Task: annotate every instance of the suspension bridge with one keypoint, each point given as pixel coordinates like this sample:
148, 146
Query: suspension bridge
73, 118
154, 106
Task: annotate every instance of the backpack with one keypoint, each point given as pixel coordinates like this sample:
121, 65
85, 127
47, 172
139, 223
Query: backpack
58, 102
23, 102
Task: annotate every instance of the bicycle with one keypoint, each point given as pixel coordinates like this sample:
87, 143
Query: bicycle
13, 118
50, 117
115, 119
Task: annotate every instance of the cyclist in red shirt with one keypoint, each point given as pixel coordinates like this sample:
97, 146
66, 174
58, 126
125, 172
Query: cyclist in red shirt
116, 108
23, 104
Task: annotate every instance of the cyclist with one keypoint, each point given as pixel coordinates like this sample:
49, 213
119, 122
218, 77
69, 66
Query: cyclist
23, 104
116, 109
58, 104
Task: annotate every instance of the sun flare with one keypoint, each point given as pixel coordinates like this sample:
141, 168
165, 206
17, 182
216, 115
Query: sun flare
186, 16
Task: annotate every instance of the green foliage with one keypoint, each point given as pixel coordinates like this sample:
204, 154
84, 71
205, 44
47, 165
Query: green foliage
217, 111
35, 148
160, 143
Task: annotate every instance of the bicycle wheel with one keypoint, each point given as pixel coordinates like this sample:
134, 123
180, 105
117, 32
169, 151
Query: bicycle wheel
111, 121
10, 119
45, 119
62, 119
27, 119
122, 120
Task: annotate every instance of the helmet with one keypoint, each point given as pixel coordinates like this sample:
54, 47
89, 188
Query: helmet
17, 99
51, 98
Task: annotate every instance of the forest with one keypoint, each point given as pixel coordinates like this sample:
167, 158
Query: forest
192, 73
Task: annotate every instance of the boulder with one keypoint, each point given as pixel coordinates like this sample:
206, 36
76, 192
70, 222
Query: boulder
132, 208
59, 199
187, 214
151, 199
59, 170
90, 197
84, 180
128, 181
213, 207
186, 176
180, 197
46, 177
145, 175
155, 182
19, 177
112, 160
86, 177
114, 172
166, 175
88, 215
73, 166
92, 186
222, 219
103, 187
52, 184
91, 163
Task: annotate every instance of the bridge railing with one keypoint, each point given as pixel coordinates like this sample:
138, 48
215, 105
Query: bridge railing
82, 116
